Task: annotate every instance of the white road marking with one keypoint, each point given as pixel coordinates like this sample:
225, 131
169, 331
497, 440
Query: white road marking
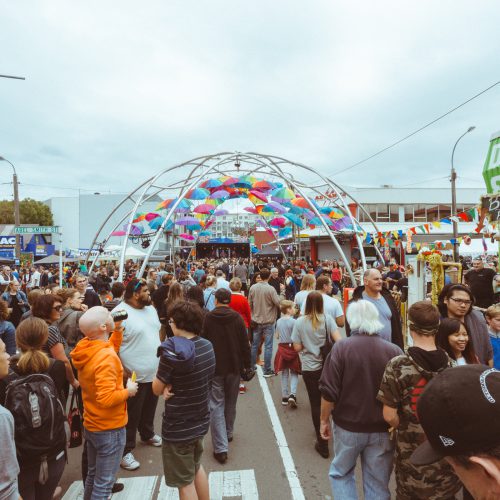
228, 484
286, 456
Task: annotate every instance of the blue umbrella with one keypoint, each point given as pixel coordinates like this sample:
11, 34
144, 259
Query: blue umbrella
284, 232
294, 219
156, 223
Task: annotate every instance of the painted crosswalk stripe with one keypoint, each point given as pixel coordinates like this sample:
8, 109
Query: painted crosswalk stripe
228, 484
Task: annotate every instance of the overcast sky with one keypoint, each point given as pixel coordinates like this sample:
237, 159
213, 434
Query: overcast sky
116, 91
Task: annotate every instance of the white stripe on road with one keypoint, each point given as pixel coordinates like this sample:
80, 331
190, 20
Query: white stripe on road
286, 456
228, 484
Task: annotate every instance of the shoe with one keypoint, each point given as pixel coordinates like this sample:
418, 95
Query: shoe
221, 457
269, 374
292, 400
284, 401
243, 389
129, 462
260, 362
154, 441
117, 487
229, 439
322, 449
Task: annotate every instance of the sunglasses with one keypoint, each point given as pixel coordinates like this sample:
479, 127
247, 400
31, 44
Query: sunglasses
138, 285
57, 308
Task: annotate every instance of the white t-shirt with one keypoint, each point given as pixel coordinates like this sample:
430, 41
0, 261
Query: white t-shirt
331, 307
222, 283
300, 298
140, 341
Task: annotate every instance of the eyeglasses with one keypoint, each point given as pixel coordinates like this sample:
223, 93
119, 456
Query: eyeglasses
57, 308
461, 301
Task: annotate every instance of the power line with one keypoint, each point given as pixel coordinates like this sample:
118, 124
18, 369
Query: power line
416, 131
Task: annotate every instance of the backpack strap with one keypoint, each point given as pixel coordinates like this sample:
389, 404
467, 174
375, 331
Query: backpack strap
208, 298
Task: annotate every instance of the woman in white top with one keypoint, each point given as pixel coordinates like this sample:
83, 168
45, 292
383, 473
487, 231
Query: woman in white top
306, 287
452, 336
309, 335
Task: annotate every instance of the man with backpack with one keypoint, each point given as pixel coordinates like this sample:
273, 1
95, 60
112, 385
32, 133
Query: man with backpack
100, 374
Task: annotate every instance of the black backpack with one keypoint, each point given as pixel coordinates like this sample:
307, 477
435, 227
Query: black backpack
39, 420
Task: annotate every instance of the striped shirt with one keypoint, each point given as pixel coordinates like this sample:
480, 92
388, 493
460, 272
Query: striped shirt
187, 415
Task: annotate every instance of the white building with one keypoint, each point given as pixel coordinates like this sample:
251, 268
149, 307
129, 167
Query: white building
224, 225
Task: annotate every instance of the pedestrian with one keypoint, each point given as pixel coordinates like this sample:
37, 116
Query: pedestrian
459, 411
264, 304
9, 467
90, 298
67, 324
7, 329
336, 277
161, 293
225, 329
41, 444
331, 306
186, 281
241, 272
16, 301
186, 418
307, 285
104, 399
493, 319
209, 292
373, 291
138, 354
310, 333
456, 301
404, 379
287, 361
117, 291
275, 281
221, 280
480, 281
175, 294
453, 338
349, 384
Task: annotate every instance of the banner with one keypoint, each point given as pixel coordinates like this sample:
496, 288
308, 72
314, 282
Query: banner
491, 170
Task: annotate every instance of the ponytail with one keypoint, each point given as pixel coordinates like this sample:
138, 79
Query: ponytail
31, 335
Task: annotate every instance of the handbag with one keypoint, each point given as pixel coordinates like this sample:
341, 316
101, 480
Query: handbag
75, 420
325, 349
247, 374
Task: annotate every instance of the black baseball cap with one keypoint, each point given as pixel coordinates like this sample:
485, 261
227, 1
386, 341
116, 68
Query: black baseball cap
223, 296
459, 411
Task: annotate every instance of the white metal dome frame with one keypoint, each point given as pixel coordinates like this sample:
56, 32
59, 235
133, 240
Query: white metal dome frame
236, 164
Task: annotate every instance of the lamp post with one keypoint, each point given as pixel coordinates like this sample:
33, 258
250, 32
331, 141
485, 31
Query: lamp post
454, 195
17, 221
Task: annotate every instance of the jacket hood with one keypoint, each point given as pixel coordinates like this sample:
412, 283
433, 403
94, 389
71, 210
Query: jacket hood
222, 314
428, 363
86, 349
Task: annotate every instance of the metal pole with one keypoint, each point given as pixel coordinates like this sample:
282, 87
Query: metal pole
17, 219
453, 179
60, 257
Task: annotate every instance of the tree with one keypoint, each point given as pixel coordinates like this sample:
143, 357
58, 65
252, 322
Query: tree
30, 212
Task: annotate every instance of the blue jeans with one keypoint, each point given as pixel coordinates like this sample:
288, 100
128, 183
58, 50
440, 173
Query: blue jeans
288, 374
222, 399
104, 449
268, 331
376, 451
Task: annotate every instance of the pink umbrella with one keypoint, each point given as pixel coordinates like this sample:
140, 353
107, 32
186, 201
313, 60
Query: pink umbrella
149, 217
252, 210
204, 209
186, 221
118, 233
230, 181
221, 193
221, 211
186, 236
259, 195
278, 222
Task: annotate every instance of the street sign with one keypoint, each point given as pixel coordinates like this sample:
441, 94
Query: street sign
491, 171
37, 229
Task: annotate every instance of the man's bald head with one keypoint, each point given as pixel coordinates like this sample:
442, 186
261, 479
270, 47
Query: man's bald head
96, 322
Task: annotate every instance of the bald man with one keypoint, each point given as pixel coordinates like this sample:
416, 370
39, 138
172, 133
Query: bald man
104, 398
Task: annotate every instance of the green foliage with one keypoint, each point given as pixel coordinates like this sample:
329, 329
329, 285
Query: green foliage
30, 212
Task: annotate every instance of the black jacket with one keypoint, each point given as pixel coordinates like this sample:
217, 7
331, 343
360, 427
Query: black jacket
226, 330
396, 329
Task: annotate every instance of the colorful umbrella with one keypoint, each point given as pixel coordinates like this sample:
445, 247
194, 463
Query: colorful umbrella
150, 216
186, 221
262, 185
220, 193
258, 195
203, 209
221, 211
300, 202
183, 205
197, 194
283, 194
139, 217
205, 233
242, 183
118, 233
277, 222
277, 207
251, 210
230, 181
136, 230
211, 183
157, 222
188, 237
285, 232
294, 219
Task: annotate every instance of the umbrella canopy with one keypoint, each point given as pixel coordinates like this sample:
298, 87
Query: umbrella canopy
150, 216
221, 211
257, 194
220, 193
277, 207
294, 219
243, 183
187, 237
186, 221
262, 185
118, 233
157, 222
205, 233
277, 222
285, 232
251, 210
230, 181
197, 194
204, 208
139, 217
211, 183
283, 194
300, 202
183, 205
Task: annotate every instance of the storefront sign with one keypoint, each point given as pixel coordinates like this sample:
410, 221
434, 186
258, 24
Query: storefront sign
492, 205
491, 170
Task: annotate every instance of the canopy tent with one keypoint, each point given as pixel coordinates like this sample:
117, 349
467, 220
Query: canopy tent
54, 259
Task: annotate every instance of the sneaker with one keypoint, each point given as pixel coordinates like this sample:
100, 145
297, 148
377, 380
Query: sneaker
284, 401
243, 389
269, 374
322, 449
129, 462
221, 457
154, 441
117, 487
292, 400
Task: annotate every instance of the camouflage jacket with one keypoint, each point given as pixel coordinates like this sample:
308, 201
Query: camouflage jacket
403, 382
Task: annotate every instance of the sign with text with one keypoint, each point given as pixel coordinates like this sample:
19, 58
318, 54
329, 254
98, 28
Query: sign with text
37, 229
9, 241
491, 170
492, 204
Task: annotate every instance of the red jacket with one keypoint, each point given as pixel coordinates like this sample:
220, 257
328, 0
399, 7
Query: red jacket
240, 304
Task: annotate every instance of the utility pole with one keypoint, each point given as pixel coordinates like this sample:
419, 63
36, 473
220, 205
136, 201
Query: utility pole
17, 219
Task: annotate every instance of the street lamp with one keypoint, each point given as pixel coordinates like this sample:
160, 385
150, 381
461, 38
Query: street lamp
454, 195
17, 221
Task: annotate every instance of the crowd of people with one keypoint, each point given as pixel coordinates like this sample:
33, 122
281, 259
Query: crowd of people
193, 333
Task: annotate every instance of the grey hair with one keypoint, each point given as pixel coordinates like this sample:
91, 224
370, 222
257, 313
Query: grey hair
363, 317
274, 270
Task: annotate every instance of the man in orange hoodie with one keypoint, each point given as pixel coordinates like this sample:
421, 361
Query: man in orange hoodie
104, 399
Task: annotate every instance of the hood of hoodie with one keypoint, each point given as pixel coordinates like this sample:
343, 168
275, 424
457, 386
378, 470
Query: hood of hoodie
428, 363
86, 349
223, 314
